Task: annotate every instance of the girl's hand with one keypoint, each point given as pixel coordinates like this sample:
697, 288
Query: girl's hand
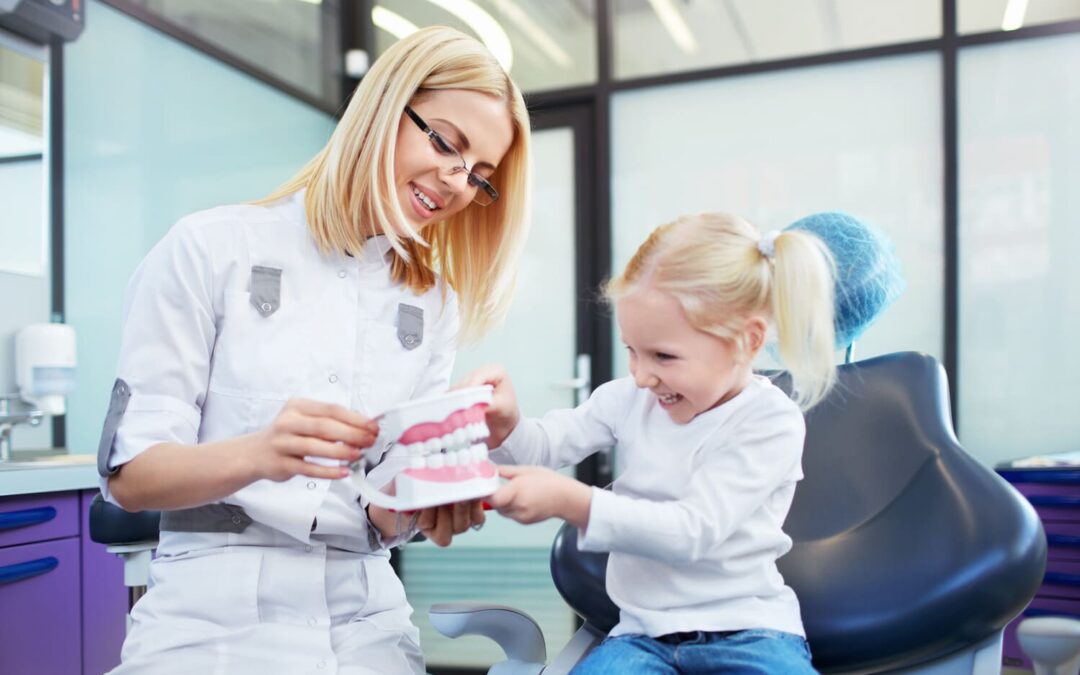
535, 493
312, 429
503, 414
438, 523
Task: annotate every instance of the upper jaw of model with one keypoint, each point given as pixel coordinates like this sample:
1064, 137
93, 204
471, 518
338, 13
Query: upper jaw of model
445, 438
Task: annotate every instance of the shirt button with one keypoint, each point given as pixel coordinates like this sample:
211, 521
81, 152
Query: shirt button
308, 549
410, 340
312, 622
332, 378
321, 664
266, 306
311, 485
341, 274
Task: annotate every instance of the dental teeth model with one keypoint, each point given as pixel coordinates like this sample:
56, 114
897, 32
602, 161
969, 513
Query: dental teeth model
445, 438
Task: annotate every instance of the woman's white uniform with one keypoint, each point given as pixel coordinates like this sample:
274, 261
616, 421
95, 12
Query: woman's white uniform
233, 313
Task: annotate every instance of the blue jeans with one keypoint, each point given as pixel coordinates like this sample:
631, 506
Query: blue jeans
750, 652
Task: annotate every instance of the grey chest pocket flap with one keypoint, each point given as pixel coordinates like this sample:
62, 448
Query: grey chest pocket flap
265, 287
410, 326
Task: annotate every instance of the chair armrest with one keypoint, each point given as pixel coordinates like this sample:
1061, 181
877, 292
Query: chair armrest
513, 630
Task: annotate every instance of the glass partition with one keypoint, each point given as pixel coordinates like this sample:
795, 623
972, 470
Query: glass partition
25, 279
544, 44
869, 145
666, 36
168, 132
296, 41
1019, 301
983, 16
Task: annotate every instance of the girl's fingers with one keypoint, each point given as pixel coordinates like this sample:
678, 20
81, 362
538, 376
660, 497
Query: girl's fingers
511, 470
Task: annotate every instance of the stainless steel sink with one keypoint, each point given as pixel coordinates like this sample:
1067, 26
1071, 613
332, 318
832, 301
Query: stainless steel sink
45, 459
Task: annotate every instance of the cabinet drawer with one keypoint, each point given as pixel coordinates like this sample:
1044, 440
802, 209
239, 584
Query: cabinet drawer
39, 608
26, 519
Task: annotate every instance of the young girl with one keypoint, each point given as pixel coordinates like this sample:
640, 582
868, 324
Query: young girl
710, 452
260, 340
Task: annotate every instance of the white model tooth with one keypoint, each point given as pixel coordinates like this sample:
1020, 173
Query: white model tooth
417, 462
465, 457
451, 458
432, 446
436, 461
479, 452
484, 431
461, 438
415, 449
475, 431
447, 441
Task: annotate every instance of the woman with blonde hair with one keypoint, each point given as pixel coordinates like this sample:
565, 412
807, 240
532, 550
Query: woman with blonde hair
260, 341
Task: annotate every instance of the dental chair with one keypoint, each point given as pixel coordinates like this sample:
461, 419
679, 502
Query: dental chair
908, 555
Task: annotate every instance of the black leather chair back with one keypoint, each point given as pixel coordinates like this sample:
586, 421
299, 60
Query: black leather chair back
906, 549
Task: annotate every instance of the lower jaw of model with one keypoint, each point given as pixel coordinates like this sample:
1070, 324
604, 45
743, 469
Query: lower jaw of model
445, 438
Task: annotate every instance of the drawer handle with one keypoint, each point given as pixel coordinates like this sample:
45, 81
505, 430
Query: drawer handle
1039, 611
26, 517
24, 570
1045, 476
1062, 579
1054, 500
1062, 540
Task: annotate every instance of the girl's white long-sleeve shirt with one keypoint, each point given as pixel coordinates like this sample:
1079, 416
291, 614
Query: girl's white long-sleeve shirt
694, 521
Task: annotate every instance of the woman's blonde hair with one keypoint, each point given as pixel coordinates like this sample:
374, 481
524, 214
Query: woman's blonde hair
721, 271
350, 183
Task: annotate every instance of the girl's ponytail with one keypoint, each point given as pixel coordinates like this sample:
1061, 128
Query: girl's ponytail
803, 300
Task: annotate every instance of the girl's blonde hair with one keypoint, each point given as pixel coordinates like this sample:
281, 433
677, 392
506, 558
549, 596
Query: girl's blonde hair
350, 183
721, 272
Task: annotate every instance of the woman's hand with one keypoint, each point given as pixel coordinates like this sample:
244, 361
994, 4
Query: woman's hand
306, 431
535, 493
503, 414
437, 523
440, 523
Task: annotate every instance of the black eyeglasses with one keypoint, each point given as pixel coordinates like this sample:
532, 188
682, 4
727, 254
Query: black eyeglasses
485, 193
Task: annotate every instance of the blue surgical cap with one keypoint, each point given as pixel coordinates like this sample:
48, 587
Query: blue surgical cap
868, 277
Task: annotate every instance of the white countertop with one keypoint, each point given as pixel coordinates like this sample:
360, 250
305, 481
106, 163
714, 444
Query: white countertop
71, 472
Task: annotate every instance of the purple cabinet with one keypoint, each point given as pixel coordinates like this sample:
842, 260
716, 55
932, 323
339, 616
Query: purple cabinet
62, 597
1055, 494
39, 608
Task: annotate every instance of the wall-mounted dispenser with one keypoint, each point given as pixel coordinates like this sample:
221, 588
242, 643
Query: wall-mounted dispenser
45, 365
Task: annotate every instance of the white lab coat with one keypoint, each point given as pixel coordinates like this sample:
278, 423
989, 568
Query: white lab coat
202, 364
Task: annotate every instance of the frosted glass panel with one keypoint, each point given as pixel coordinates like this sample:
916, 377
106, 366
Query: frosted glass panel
507, 563
154, 130
979, 16
545, 44
658, 37
24, 227
863, 138
296, 41
1019, 282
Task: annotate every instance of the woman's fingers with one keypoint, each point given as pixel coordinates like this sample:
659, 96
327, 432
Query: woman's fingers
476, 514
330, 429
461, 515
